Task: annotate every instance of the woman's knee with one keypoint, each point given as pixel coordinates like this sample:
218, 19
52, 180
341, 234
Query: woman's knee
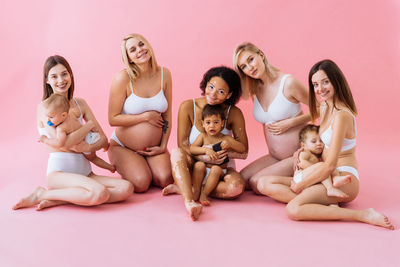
98, 195
141, 183
235, 188
162, 179
293, 211
126, 189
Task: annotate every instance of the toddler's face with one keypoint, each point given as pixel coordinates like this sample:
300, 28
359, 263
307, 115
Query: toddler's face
313, 143
213, 124
55, 116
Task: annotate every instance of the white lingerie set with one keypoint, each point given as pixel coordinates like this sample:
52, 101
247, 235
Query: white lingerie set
348, 144
135, 105
68, 161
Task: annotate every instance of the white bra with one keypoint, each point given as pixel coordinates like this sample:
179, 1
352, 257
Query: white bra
135, 104
279, 109
194, 132
348, 144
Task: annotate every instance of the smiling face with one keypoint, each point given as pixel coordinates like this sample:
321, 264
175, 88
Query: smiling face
252, 64
217, 91
313, 143
323, 87
59, 79
138, 51
213, 124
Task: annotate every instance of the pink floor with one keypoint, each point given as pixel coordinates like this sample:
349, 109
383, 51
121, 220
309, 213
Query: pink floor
151, 230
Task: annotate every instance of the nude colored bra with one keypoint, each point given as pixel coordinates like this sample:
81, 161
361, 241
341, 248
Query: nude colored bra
279, 109
135, 104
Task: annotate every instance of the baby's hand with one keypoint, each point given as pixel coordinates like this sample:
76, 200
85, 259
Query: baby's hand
42, 139
211, 154
225, 145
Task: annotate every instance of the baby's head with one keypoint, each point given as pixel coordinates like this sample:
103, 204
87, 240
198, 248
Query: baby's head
57, 107
213, 118
310, 140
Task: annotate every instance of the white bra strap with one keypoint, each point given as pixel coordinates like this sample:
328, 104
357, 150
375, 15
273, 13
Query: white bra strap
162, 76
79, 107
283, 82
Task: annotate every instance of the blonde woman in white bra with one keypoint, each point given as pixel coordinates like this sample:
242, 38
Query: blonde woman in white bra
140, 109
277, 98
307, 200
69, 175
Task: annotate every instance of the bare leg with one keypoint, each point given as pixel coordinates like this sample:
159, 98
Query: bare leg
180, 163
119, 189
256, 166
276, 187
132, 167
313, 204
279, 168
230, 187
199, 171
31, 200
160, 166
340, 180
333, 191
103, 164
215, 173
50, 203
171, 189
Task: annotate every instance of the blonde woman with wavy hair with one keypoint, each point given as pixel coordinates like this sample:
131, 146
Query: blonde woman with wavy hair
140, 110
277, 97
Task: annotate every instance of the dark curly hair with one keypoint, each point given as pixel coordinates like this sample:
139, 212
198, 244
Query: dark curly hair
230, 77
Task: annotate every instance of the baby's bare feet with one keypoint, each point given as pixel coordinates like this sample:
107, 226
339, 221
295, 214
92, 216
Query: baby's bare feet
334, 192
341, 180
194, 209
31, 200
373, 217
204, 200
171, 189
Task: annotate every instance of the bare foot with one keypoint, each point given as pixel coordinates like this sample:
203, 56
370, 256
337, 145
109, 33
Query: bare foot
171, 189
194, 209
334, 205
373, 217
204, 200
49, 203
334, 192
31, 200
341, 180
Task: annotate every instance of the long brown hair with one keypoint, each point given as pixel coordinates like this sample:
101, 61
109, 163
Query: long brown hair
339, 83
51, 62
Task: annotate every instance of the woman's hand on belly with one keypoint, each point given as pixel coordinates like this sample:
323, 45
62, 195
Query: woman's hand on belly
151, 151
280, 127
154, 118
284, 145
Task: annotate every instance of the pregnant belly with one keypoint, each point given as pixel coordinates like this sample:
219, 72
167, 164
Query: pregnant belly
284, 145
139, 136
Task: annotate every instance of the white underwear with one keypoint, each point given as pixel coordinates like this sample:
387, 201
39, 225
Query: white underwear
349, 169
115, 138
68, 162
91, 138
208, 173
298, 177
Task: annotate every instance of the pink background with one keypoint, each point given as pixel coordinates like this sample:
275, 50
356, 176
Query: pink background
189, 37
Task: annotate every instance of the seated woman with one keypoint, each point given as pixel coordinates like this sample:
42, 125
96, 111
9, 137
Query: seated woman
307, 199
277, 98
220, 85
69, 175
140, 109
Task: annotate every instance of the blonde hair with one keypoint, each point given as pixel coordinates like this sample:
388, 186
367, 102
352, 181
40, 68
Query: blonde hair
249, 84
131, 68
57, 102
